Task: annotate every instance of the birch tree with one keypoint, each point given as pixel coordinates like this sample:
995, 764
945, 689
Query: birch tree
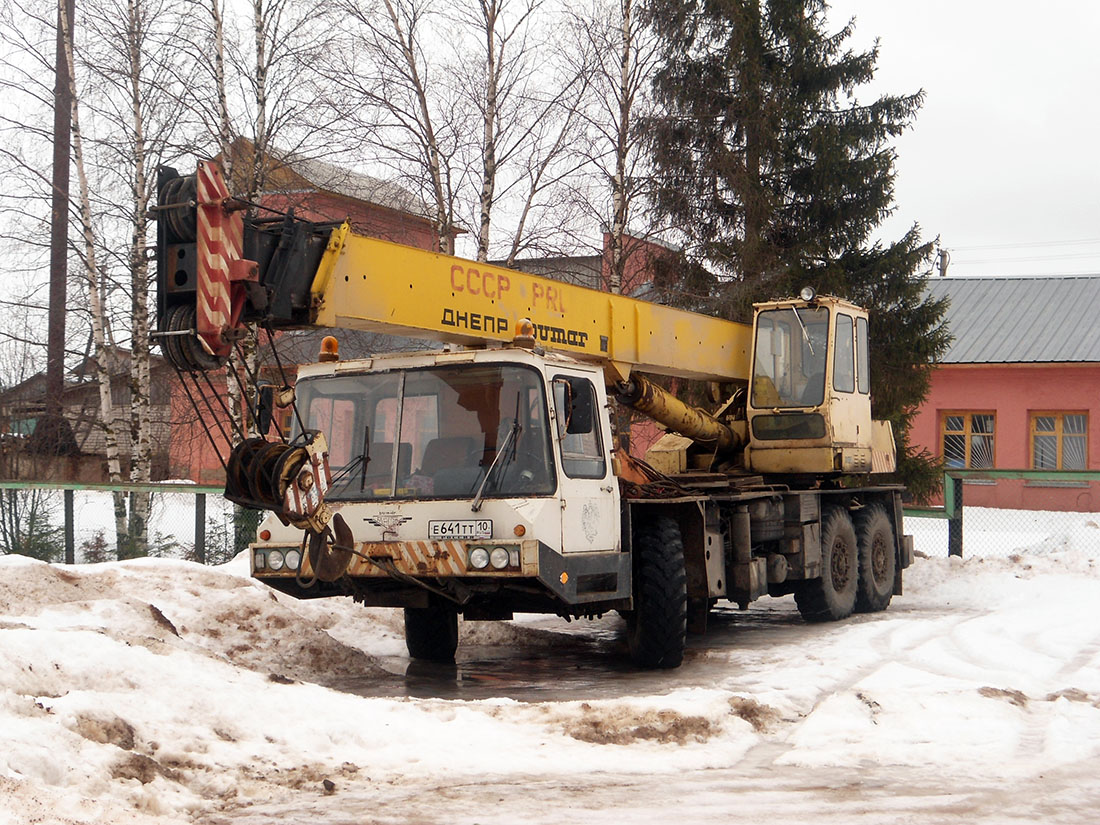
525, 100
135, 82
277, 74
622, 52
496, 83
401, 104
137, 102
94, 291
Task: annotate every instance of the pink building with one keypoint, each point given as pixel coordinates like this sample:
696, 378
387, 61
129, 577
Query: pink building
1019, 388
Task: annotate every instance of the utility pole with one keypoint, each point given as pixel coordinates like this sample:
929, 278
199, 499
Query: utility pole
59, 233
943, 258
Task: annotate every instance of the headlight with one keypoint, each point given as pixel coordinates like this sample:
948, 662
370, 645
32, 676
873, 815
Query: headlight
293, 559
258, 562
275, 560
807, 294
479, 558
499, 558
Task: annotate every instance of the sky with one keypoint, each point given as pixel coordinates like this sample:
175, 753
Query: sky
160, 692
1001, 163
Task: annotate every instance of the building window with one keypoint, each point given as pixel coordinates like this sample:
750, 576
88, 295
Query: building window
1059, 441
968, 440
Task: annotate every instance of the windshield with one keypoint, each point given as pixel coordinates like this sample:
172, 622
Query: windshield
789, 362
453, 422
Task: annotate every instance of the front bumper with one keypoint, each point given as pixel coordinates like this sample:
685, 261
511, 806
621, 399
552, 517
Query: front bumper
575, 578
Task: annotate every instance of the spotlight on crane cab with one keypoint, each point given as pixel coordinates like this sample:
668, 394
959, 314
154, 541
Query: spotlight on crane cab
807, 294
330, 349
525, 333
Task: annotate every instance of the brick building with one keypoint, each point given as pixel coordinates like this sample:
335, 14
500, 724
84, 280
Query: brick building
1019, 388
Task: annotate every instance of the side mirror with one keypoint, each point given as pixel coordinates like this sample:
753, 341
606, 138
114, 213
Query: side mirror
265, 407
575, 403
581, 417
563, 403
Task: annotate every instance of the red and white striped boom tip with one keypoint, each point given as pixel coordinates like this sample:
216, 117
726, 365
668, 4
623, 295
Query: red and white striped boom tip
219, 261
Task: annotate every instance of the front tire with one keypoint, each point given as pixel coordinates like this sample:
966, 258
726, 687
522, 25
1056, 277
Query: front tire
657, 626
832, 596
877, 559
431, 633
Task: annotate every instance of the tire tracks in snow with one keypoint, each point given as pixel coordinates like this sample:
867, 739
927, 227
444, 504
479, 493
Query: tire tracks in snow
893, 648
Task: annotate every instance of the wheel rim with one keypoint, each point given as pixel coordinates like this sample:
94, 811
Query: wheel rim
879, 558
839, 565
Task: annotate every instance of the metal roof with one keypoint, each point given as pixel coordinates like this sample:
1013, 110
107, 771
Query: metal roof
362, 187
1008, 320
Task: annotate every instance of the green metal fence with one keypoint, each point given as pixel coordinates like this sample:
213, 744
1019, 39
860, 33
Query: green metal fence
75, 523
959, 529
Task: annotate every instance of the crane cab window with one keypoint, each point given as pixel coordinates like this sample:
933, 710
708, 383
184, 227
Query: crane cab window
579, 428
789, 357
441, 432
863, 368
844, 367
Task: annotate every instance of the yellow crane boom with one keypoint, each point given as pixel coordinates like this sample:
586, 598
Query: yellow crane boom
370, 284
217, 273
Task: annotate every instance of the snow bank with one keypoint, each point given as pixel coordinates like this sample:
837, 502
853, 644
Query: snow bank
159, 691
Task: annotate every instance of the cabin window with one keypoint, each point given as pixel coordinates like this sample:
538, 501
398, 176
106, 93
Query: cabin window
789, 357
968, 440
1059, 441
844, 367
863, 360
579, 428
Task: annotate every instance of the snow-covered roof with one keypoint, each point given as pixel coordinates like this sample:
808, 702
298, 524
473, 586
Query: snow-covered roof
1009, 320
343, 181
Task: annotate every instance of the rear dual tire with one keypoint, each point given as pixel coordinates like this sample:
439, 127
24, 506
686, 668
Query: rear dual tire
832, 596
858, 561
877, 559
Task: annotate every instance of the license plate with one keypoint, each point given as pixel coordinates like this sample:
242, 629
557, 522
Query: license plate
462, 529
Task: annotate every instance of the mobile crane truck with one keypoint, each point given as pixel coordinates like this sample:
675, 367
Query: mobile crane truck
483, 478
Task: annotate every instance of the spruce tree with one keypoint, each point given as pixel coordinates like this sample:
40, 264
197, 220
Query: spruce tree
776, 175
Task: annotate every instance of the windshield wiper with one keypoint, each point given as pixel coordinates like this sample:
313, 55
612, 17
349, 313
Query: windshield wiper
805, 334
345, 475
360, 463
513, 431
475, 505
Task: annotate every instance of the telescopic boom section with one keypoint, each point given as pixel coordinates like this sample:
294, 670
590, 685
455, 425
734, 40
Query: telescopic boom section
364, 283
324, 275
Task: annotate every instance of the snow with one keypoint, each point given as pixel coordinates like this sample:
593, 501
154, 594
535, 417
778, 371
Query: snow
157, 691
171, 519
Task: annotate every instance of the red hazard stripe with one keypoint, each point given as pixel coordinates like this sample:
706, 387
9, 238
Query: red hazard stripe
220, 241
300, 502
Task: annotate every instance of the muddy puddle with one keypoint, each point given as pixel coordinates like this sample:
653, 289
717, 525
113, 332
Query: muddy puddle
551, 660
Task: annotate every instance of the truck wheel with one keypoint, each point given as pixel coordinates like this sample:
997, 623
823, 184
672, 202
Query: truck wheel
877, 559
657, 626
431, 633
832, 596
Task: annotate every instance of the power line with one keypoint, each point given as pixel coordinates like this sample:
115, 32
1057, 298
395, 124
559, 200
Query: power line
1025, 244
1026, 259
